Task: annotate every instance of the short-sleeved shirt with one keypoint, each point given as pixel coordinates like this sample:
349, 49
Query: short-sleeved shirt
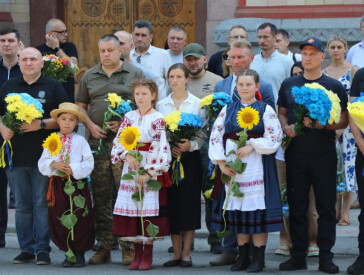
204, 85
355, 55
70, 49
95, 85
357, 86
27, 148
274, 70
313, 140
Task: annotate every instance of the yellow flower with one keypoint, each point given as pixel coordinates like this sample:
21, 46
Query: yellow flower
356, 111
207, 100
129, 137
114, 99
12, 99
172, 120
335, 112
247, 117
315, 85
53, 144
11, 107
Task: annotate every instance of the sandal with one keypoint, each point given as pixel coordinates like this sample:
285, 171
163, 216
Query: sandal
283, 250
344, 222
313, 251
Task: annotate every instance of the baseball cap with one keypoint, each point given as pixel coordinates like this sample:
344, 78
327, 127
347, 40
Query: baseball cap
313, 41
193, 49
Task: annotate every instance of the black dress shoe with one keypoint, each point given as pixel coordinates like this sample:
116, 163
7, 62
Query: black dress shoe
23, 258
293, 264
172, 263
216, 248
328, 266
186, 263
357, 267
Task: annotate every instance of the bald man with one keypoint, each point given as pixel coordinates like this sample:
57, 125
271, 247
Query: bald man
126, 45
30, 186
56, 43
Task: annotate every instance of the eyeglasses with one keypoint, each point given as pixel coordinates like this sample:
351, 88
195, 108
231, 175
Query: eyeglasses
237, 37
61, 32
138, 59
225, 56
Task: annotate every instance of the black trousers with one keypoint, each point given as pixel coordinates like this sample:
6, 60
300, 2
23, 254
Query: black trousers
359, 165
319, 170
3, 205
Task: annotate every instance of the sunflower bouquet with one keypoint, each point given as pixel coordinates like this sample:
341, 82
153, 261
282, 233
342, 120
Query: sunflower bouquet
58, 67
53, 145
213, 104
129, 138
116, 110
316, 102
20, 108
356, 111
247, 118
181, 126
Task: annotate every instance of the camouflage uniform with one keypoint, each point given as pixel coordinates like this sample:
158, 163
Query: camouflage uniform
103, 179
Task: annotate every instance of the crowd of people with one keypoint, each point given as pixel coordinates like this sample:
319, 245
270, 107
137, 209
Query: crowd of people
159, 82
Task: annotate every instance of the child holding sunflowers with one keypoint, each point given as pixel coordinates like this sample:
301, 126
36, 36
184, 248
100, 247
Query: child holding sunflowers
67, 158
257, 210
142, 129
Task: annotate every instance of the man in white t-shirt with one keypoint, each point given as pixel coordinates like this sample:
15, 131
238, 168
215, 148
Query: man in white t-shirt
282, 43
176, 41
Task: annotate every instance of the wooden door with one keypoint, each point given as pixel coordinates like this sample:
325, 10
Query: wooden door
88, 20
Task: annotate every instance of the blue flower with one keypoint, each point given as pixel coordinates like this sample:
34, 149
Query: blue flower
190, 120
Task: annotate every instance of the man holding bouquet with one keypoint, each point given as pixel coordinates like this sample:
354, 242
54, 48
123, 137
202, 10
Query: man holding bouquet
311, 160
30, 186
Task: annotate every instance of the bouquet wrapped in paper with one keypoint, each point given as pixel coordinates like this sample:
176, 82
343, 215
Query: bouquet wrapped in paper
20, 108
316, 102
115, 112
58, 67
181, 126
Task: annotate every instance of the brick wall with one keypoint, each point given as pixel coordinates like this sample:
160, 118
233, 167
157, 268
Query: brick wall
18, 11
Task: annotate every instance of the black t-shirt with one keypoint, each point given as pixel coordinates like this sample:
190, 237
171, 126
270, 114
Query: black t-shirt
313, 140
357, 86
70, 49
6, 74
27, 148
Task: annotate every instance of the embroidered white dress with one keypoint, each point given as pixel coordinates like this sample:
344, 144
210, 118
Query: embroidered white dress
80, 156
156, 160
252, 179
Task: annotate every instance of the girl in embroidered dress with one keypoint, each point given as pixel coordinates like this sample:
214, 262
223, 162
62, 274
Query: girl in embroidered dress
156, 160
81, 164
260, 210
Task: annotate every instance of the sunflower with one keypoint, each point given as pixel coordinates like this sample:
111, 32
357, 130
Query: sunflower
53, 144
129, 137
247, 117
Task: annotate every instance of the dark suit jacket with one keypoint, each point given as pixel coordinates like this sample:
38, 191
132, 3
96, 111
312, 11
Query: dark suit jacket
265, 90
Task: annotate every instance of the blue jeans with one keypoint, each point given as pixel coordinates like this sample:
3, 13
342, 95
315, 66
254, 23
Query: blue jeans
31, 213
231, 243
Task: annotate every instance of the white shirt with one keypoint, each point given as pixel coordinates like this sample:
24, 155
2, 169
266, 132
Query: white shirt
158, 61
80, 155
190, 105
297, 55
233, 85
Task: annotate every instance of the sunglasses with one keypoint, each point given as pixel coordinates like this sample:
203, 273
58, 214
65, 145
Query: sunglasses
225, 56
61, 32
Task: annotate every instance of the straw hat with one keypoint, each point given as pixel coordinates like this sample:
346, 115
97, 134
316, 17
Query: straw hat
68, 107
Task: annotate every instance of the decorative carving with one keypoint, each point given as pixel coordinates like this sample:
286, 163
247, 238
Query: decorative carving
170, 7
147, 9
118, 10
93, 8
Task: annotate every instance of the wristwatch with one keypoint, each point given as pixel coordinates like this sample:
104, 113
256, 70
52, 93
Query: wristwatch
56, 49
42, 124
